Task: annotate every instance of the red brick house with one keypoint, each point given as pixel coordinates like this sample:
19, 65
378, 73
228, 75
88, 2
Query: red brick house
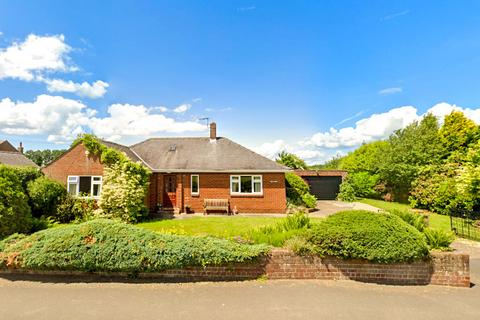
185, 172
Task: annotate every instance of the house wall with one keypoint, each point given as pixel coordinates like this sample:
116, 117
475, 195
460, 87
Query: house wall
217, 186
74, 162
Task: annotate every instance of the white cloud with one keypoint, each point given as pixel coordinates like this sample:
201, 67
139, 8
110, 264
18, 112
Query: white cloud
59, 118
375, 127
197, 99
272, 149
36, 55
389, 91
138, 120
182, 108
84, 89
395, 15
62, 119
442, 109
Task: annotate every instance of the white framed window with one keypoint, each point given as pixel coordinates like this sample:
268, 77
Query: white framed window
246, 184
85, 186
72, 185
195, 184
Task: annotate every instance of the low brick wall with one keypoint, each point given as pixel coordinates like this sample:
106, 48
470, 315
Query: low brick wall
449, 269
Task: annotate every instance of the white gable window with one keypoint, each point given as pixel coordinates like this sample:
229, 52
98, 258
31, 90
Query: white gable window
195, 184
85, 186
246, 184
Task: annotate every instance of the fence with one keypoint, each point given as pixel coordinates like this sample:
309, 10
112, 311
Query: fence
463, 223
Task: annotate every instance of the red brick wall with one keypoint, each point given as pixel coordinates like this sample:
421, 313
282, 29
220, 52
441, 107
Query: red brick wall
74, 162
217, 186
447, 269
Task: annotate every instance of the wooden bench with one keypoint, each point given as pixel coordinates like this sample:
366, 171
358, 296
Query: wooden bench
215, 204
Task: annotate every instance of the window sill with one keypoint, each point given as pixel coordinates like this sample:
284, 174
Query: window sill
246, 195
195, 195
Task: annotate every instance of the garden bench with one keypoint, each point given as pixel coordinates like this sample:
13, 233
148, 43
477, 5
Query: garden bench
215, 204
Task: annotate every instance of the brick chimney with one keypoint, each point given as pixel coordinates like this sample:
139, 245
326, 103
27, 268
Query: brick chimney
20, 148
213, 131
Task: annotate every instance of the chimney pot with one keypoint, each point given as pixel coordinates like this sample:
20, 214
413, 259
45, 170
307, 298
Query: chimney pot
213, 131
20, 148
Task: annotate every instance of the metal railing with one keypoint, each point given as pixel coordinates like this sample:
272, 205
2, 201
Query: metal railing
463, 224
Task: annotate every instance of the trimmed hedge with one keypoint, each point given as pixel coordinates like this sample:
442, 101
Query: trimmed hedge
378, 237
110, 246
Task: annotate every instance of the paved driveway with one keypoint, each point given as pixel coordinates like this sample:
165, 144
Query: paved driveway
329, 207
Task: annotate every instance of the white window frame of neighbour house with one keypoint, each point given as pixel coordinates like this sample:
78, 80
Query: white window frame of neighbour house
255, 180
198, 185
75, 180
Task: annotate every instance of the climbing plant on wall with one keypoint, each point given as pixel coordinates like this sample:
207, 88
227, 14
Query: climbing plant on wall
125, 182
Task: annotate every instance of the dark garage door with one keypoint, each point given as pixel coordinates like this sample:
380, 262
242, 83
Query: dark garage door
324, 188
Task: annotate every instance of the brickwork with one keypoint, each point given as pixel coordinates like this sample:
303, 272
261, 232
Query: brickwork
448, 269
217, 186
76, 162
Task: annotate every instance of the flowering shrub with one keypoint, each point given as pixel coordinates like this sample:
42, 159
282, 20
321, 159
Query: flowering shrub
125, 182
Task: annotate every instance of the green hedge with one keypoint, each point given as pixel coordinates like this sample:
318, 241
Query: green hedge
298, 192
105, 245
378, 237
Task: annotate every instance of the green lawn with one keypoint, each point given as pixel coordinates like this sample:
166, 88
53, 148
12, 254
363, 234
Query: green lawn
437, 221
223, 227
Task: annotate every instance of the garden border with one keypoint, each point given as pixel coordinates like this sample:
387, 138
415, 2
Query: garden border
442, 268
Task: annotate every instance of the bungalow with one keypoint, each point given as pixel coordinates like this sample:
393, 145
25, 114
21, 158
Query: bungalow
185, 173
12, 156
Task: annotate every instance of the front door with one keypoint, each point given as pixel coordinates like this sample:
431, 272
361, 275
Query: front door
169, 191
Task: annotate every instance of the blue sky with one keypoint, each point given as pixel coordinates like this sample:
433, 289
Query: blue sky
313, 77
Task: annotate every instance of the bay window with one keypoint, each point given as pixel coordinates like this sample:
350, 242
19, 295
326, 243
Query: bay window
246, 184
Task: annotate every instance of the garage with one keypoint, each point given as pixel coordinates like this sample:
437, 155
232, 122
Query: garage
324, 184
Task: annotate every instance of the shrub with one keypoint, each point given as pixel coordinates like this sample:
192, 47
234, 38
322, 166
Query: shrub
45, 196
298, 192
363, 184
438, 239
378, 237
309, 200
286, 228
73, 208
347, 193
15, 215
109, 246
416, 220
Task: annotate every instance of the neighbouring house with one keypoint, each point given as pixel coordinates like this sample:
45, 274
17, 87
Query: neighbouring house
185, 173
12, 156
324, 184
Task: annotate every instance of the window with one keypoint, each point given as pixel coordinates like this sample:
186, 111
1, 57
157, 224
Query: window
246, 184
85, 186
195, 184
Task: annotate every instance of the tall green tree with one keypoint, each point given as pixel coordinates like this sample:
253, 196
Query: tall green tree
457, 132
366, 158
409, 149
43, 157
291, 160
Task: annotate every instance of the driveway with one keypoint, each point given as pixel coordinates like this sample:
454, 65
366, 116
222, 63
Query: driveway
329, 207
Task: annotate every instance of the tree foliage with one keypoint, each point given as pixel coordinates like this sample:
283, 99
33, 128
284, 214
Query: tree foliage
457, 131
366, 158
43, 157
291, 160
15, 214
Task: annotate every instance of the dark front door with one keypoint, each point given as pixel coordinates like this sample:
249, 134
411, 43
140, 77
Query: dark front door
324, 188
169, 191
